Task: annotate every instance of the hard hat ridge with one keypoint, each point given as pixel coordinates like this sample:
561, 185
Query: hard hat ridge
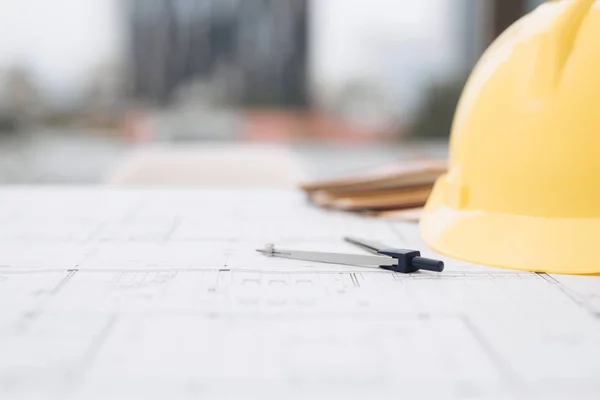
523, 185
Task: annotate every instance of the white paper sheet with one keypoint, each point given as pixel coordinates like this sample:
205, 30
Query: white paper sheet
154, 294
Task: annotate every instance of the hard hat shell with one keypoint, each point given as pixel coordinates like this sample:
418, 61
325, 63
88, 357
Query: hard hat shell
523, 184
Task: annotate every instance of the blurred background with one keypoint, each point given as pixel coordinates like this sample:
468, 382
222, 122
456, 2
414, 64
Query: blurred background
204, 91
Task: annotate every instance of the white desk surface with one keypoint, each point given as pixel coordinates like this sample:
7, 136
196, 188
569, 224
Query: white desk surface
159, 294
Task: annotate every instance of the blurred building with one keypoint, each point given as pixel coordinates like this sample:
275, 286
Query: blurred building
370, 60
257, 49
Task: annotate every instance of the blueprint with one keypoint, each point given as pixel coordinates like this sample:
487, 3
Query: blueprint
160, 294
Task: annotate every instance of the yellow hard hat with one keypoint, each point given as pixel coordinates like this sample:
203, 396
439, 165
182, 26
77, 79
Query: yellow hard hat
523, 184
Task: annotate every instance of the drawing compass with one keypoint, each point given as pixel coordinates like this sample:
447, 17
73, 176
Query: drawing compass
397, 260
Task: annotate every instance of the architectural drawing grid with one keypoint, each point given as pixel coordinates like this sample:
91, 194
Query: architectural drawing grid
159, 294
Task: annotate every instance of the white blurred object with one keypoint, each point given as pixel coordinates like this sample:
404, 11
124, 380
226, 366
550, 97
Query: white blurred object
211, 165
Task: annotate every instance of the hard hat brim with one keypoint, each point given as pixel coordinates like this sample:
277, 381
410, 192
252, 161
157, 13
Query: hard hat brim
518, 242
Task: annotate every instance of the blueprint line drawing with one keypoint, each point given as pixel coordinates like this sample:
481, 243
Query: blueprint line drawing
149, 294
